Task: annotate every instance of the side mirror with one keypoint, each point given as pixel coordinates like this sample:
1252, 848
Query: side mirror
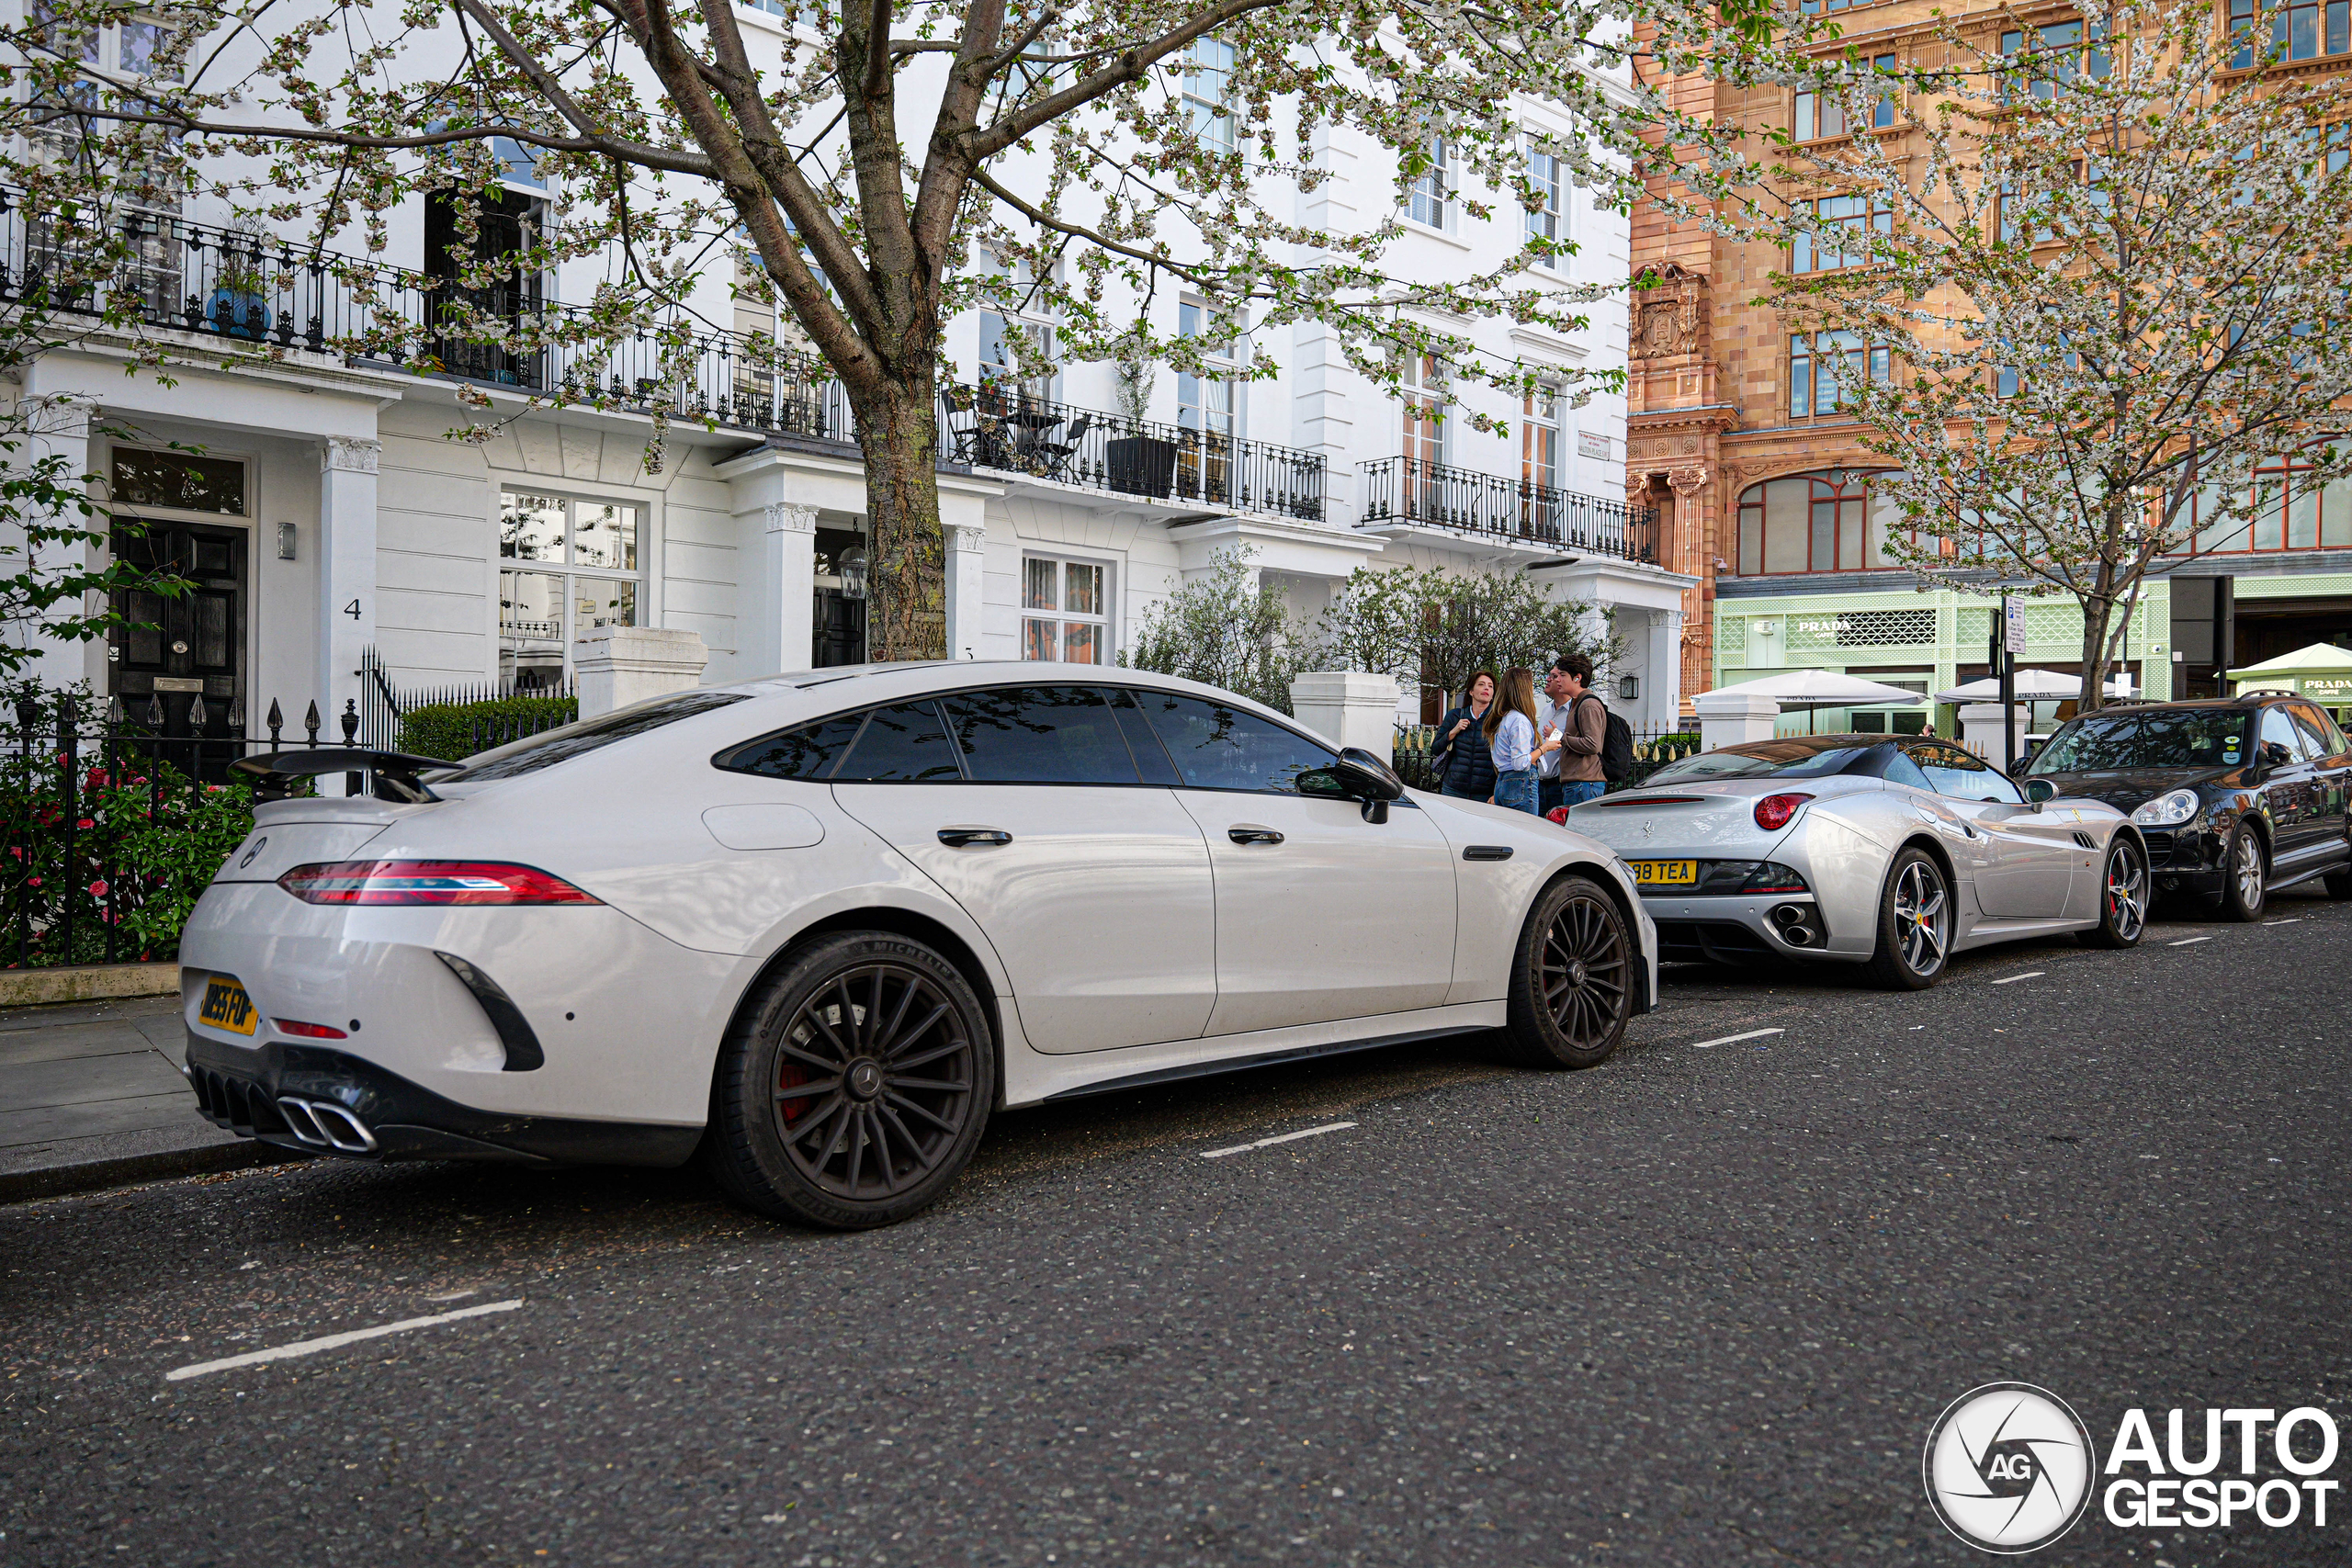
1367, 778
2039, 793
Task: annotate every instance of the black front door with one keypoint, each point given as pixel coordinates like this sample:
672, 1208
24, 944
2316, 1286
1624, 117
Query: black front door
840, 626
187, 650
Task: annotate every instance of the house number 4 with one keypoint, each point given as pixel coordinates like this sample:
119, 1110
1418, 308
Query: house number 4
352, 609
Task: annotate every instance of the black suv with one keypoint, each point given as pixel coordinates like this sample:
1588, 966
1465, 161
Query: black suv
2235, 795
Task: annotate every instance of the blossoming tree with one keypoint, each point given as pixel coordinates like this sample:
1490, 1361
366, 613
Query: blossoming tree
2101, 282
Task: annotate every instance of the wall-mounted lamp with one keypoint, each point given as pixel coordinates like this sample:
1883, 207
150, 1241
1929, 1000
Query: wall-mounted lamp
1629, 687
287, 532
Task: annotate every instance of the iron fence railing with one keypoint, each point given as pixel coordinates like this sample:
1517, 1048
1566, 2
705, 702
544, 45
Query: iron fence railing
996, 425
1413, 489
240, 286
116, 815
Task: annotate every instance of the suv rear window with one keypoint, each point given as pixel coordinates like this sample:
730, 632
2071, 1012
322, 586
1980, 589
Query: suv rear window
2142, 737
550, 747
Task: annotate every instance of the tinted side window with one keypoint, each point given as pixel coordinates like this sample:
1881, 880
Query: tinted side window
1039, 735
2278, 730
1218, 747
1901, 769
807, 752
1964, 776
545, 750
1151, 757
2318, 740
904, 741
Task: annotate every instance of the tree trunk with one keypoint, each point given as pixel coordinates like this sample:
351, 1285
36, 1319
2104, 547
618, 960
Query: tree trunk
906, 577
2097, 614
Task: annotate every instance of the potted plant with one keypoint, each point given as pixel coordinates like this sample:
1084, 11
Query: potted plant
240, 302
1141, 463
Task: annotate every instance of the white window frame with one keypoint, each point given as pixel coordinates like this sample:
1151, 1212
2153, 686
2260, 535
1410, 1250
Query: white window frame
1555, 213
1061, 617
1437, 187
572, 573
1211, 115
1223, 364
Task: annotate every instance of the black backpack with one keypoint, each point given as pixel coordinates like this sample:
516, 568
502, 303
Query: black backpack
1616, 744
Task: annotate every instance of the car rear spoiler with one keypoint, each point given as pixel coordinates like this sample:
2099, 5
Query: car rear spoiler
386, 775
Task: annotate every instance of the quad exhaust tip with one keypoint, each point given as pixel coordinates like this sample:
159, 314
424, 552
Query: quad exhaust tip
323, 1124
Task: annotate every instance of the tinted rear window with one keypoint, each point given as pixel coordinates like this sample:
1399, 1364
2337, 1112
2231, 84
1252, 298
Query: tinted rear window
903, 743
1217, 746
2192, 738
1790, 759
807, 752
546, 749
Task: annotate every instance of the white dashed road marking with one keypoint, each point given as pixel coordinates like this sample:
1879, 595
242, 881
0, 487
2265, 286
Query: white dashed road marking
1731, 1039
2188, 941
1285, 1138
2029, 975
2295, 920
333, 1341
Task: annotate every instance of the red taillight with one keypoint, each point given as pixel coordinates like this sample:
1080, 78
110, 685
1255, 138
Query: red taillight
306, 1031
1772, 812
1558, 813
413, 881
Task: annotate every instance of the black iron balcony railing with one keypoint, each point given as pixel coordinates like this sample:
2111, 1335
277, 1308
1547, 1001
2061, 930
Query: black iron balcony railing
166, 272
1412, 490
997, 425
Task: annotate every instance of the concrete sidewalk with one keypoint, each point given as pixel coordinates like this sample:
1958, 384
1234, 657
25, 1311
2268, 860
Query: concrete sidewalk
91, 1095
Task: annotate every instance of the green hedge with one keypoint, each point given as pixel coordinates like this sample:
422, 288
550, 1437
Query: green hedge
446, 730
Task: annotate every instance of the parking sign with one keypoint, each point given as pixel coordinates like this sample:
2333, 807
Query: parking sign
2013, 625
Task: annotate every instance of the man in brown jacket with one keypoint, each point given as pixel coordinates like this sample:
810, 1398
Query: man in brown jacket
1583, 727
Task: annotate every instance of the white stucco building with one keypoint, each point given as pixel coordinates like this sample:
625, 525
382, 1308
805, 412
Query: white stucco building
324, 509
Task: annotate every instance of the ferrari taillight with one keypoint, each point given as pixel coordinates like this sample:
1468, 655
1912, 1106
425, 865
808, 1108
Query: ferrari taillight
380, 883
1772, 812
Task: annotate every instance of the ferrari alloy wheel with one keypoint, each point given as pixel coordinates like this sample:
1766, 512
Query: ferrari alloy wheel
1915, 924
2244, 876
1572, 978
855, 1090
2123, 898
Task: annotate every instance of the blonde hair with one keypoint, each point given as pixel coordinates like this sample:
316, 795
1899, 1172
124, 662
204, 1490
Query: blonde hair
1515, 692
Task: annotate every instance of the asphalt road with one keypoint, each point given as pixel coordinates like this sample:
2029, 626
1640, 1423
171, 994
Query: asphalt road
1698, 1306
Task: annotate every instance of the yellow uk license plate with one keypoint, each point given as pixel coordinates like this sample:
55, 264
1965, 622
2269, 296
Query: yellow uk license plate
1665, 873
226, 1006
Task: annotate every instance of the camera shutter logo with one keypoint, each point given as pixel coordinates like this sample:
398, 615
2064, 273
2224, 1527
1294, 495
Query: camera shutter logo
2009, 1467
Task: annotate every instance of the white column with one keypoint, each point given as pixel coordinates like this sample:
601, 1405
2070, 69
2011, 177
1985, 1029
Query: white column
789, 581
1662, 686
1730, 716
619, 665
964, 556
347, 569
60, 427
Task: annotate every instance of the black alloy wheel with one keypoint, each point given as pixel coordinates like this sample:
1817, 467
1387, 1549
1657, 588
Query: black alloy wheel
857, 1087
2244, 879
2123, 897
1915, 924
1572, 978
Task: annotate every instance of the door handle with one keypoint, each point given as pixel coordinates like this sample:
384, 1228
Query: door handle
961, 837
1250, 833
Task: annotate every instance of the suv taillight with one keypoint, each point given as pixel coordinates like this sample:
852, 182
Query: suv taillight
1772, 812
379, 883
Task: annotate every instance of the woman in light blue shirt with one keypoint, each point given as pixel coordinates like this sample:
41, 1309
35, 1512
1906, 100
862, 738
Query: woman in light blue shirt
1510, 732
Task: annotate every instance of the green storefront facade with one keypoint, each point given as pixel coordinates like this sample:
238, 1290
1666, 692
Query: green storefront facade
2188, 626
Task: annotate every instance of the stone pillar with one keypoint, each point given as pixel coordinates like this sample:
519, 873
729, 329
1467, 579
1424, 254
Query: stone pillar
1348, 708
788, 579
619, 665
1980, 729
1731, 716
346, 565
964, 588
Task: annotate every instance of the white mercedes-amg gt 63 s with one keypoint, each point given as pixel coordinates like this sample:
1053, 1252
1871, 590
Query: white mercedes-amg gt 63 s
1893, 852
817, 928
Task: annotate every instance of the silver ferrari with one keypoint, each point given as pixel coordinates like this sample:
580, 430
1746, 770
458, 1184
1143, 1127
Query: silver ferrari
1891, 852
